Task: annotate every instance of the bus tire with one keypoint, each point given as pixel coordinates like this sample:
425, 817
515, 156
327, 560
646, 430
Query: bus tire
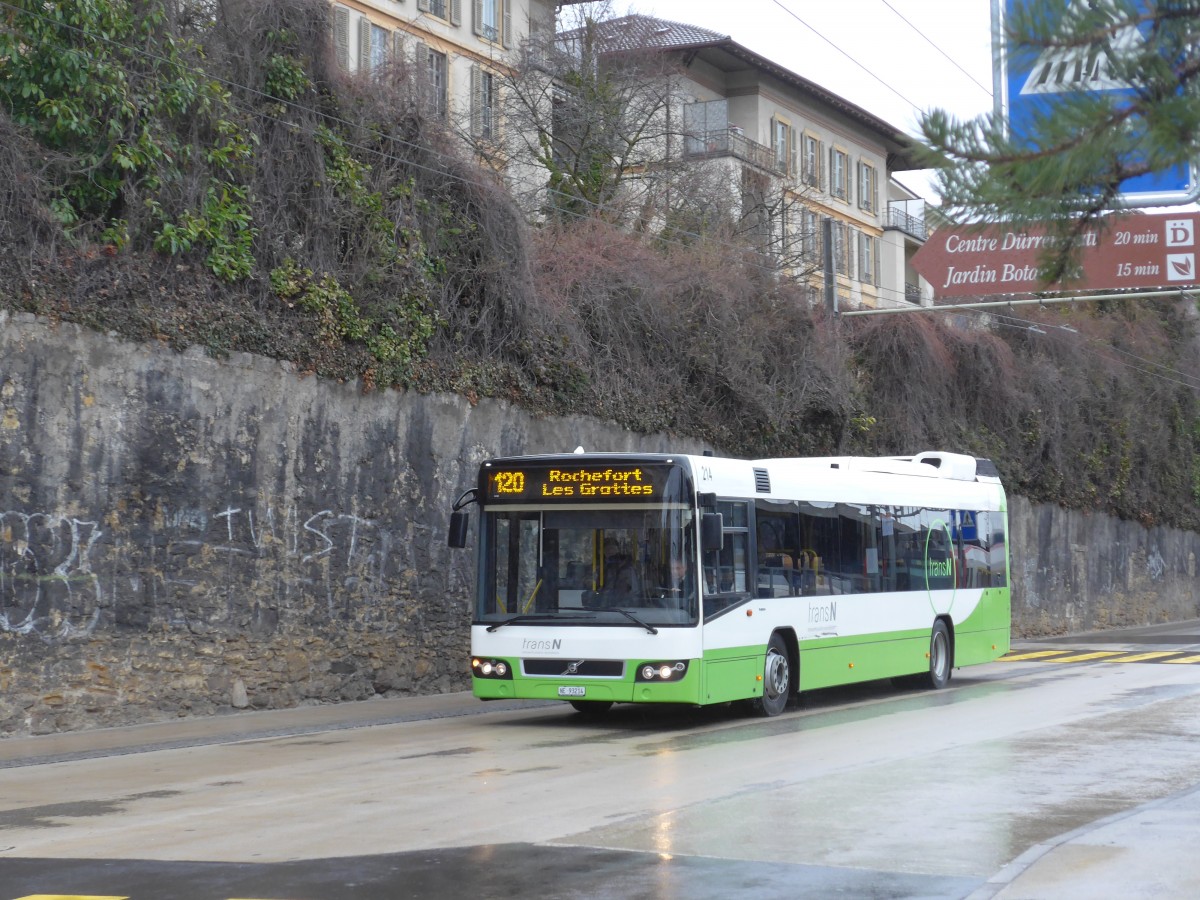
939, 657
777, 680
592, 707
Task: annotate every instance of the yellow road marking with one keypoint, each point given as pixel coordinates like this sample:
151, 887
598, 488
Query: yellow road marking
1034, 655
1099, 654
1185, 659
1139, 657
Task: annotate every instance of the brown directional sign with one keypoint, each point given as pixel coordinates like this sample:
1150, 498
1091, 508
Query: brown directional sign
1131, 250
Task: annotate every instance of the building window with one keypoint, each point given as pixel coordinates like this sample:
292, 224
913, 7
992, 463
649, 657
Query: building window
359, 44
811, 172
493, 21
373, 47
488, 24
483, 104
868, 187
868, 259
436, 91
838, 163
783, 146
841, 249
451, 10
810, 237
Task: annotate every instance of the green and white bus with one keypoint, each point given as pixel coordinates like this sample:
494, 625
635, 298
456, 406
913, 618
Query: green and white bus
659, 578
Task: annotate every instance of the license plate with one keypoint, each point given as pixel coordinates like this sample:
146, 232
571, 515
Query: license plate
570, 692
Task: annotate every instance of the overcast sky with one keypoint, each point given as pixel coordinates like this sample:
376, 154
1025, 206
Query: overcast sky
894, 58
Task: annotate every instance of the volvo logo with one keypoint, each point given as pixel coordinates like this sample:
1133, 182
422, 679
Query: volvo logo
573, 668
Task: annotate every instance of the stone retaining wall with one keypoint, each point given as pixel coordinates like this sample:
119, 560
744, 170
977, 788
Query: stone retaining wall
187, 536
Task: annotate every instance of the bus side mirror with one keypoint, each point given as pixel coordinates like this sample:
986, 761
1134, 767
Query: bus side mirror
459, 522
712, 531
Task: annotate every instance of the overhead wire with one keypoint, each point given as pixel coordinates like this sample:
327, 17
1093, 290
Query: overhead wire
933, 44
842, 51
1182, 379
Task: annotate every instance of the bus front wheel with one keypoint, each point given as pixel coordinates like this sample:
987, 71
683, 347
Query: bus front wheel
939, 657
777, 680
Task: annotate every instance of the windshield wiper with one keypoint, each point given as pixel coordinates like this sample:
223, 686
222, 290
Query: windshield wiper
530, 617
626, 613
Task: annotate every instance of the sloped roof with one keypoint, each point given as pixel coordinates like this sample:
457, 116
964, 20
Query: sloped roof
637, 32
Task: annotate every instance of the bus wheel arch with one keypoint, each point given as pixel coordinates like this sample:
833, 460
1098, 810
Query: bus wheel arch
781, 674
941, 654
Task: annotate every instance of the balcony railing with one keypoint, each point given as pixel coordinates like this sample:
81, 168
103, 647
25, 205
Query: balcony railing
899, 217
731, 142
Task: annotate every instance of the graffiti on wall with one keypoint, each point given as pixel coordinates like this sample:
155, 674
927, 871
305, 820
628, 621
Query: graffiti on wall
46, 577
65, 576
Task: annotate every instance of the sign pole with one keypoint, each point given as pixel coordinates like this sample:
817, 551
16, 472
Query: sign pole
827, 265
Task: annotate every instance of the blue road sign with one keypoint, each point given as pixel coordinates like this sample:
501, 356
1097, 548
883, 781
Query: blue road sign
1030, 82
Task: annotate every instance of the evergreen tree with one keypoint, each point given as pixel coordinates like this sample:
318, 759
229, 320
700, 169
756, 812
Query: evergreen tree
1065, 167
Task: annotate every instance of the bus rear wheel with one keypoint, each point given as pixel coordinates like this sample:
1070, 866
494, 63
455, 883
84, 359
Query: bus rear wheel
939, 657
777, 680
592, 707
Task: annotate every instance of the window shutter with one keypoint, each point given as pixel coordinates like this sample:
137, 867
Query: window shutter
398, 45
455, 12
875, 194
849, 198
506, 37
820, 182
476, 100
794, 156
477, 17
497, 90
364, 44
341, 36
423, 5
420, 69
878, 245
832, 170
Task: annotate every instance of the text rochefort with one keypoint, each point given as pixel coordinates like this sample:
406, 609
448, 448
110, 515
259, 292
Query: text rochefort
596, 483
634, 483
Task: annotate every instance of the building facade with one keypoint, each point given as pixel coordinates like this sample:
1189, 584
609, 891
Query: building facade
803, 162
456, 50
820, 157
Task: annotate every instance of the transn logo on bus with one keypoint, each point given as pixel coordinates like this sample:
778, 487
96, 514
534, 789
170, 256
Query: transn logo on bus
818, 615
531, 644
940, 568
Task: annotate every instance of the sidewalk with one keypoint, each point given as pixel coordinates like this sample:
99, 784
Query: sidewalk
243, 726
1149, 851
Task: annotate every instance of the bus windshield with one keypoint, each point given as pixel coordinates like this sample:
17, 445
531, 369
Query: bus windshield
580, 566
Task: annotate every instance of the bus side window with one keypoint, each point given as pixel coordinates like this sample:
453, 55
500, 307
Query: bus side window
727, 571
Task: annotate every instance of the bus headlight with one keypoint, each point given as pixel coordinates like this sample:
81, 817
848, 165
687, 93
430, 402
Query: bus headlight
490, 668
673, 670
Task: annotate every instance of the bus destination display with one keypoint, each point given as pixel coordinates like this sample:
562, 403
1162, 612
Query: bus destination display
600, 483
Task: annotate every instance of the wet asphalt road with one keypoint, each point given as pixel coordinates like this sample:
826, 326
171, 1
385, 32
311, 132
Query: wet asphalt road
1023, 780
507, 870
